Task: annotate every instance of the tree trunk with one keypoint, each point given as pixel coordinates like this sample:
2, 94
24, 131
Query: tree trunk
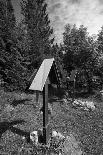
89, 82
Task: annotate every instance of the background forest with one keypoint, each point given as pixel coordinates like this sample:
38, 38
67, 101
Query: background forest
24, 45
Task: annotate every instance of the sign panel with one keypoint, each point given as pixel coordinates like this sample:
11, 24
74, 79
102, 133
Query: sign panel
42, 74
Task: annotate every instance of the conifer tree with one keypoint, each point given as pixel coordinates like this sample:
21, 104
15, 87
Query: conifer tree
39, 32
11, 69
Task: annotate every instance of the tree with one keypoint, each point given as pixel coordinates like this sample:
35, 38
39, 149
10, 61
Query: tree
11, 69
7, 19
39, 32
100, 52
57, 53
80, 52
6, 27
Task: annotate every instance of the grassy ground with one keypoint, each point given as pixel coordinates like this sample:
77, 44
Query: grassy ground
87, 127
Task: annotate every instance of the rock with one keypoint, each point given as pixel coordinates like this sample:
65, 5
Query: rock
65, 100
90, 105
54, 133
86, 109
34, 137
76, 102
86, 104
58, 135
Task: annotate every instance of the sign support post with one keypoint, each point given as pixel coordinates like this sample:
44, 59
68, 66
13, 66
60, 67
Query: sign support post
45, 113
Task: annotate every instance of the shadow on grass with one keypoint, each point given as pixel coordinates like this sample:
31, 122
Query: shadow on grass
21, 101
4, 126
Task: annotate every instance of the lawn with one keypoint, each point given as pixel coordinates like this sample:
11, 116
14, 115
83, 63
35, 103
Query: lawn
85, 126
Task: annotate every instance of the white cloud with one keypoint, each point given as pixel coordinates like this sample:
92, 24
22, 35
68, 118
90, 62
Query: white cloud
80, 12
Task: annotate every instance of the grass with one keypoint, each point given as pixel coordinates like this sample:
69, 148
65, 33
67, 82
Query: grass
87, 127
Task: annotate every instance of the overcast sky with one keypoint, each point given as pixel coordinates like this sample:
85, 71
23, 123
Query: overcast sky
80, 12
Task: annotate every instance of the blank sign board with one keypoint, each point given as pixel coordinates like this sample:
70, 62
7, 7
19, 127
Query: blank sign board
42, 74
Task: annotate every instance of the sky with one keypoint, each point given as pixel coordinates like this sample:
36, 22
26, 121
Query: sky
80, 12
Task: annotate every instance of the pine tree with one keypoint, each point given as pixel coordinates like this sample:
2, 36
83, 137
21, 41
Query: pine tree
7, 19
38, 29
11, 69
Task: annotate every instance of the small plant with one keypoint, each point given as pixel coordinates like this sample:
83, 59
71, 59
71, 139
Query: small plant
54, 146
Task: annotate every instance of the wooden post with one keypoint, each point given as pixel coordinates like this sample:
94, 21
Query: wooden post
45, 113
37, 96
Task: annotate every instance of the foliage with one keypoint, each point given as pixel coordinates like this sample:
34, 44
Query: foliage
11, 69
55, 147
100, 51
38, 31
57, 53
77, 47
7, 19
80, 52
23, 46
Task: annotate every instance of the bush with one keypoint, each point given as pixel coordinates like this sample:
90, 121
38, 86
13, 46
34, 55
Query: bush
98, 97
